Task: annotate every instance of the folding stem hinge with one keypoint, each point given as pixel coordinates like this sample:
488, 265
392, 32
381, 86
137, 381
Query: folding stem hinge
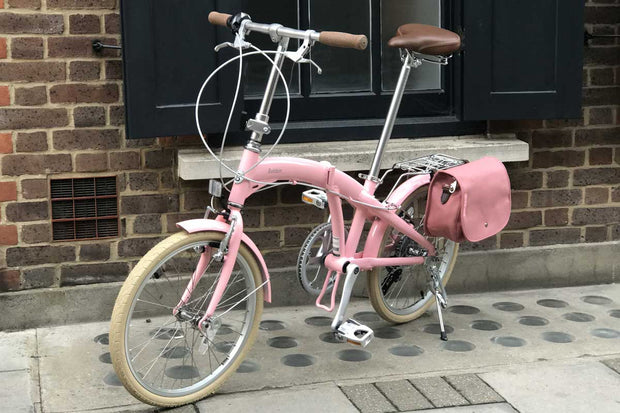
258, 126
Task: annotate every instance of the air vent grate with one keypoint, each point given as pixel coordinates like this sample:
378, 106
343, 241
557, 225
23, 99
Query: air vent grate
84, 208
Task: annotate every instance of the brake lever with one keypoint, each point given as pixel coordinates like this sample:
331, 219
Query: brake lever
298, 56
239, 43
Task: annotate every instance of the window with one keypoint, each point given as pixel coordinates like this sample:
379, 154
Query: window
512, 66
84, 208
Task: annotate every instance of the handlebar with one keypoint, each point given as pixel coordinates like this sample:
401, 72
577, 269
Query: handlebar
335, 39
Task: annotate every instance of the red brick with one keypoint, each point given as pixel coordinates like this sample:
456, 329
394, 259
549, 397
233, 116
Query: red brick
8, 191
91, 162
149, 204
601, 116
549, 159
597, 136
39, 255
511, 240
83, 93
124, 160
522, 220
114, 69
93, 273
78, 46
32, 71
76, 139
30, 96
6, 143
600, 96
27, 211
31, 23
5, 96
601, 76
24, 4
85, 116
556, 197
294, 215
518, 180
596, 195
596, 176
557, 179
550, 138
3, 48
36, 233
84, 24
519, 199
21, 118
113, 23
27, 48
84, 70
594, 216
615, 194
117, 116
10, 280
600, 156
556, 217
15, 165
555, 236
81, 4
34, 188
31, 142
596, 234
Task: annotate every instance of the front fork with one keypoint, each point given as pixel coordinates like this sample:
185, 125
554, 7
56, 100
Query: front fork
227, 252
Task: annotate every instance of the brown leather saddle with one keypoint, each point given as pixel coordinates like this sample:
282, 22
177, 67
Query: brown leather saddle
425, 39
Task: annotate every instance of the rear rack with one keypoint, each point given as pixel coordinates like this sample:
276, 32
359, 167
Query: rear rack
428, 164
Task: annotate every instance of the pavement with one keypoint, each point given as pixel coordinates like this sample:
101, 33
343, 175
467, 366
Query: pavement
518, 351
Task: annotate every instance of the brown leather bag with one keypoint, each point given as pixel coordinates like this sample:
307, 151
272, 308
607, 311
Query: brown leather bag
468, 202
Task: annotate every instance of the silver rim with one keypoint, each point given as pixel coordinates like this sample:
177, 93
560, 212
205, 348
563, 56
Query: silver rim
171, 358
404, 290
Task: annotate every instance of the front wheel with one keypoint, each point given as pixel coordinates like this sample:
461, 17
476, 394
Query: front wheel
164, 359
402, 294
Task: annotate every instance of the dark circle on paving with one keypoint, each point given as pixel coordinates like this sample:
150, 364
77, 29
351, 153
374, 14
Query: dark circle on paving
508, 306
329, 337
388, 333
485, 325
596, 299
557, 337
111, 379
458, 345
166, 333
182, 372
463, 309
224, 346
282, 342
353, 355
102, 339
614, 313
248, 366
319, 321
435, 329
578, 317
605, 333
223, 330
105, 358
176, 352
298, 360
406, 351
509, 341
551, 303
367, 316
272, 325
533, 321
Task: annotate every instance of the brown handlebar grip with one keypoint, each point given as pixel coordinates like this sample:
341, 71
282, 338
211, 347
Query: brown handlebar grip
347, 40
219, 19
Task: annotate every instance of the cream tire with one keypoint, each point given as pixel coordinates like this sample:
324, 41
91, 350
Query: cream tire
121, 315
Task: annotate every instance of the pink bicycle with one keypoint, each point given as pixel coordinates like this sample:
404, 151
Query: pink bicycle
190, 309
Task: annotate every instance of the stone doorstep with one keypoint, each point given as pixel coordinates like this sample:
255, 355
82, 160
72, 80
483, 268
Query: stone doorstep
512, 269
357, 155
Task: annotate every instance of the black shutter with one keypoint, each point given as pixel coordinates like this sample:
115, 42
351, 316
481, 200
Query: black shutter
522, 59
167, 54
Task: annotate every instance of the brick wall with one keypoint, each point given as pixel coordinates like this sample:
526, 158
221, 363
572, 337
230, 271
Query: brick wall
61, 115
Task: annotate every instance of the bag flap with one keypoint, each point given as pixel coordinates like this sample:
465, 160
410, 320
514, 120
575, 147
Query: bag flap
485, 188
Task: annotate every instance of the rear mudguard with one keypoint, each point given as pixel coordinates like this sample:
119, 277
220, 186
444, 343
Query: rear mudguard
201, 225
400, 194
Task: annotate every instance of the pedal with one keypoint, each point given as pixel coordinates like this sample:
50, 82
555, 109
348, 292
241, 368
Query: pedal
355, 333
315, 197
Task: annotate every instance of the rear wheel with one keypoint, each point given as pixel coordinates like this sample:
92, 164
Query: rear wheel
402, 294
164, 359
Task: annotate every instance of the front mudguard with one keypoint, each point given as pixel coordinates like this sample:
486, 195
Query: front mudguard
201, 225
400, 194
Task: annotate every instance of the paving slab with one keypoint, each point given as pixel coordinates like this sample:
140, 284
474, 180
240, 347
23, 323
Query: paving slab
481, 408
315, 398
403, 395
15, 392
367, 398
16, 350
438, 391
576, 387
613, 364
474, 389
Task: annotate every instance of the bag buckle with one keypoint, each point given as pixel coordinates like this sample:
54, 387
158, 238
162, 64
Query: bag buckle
447, 191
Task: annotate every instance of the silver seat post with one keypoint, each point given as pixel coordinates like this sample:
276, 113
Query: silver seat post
409, 61
260, 124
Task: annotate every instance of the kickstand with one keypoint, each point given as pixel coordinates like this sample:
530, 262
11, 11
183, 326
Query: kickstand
441, 302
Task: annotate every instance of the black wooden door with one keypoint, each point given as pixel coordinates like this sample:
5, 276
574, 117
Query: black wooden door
168, 52
522, 59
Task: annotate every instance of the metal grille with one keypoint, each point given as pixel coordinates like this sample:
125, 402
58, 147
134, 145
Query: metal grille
84, 208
